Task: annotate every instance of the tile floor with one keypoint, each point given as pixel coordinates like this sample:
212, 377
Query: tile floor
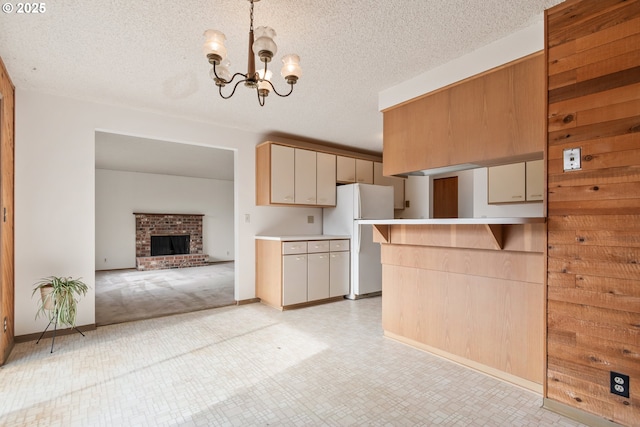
253, 365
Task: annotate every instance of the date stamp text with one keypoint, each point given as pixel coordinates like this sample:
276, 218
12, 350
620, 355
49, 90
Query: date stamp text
24, 8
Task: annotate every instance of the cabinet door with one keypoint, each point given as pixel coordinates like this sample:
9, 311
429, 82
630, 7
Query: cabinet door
364, 171
507, 183
396, 182
282, 174
294, 279
305, 177
339, 273
345, 169
326, 179
318, 276
535, 180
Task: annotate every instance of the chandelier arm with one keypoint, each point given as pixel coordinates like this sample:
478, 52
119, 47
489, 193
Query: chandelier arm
234, 87
280, 94
261, 99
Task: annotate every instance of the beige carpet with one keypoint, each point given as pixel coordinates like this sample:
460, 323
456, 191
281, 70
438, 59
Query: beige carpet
125, 295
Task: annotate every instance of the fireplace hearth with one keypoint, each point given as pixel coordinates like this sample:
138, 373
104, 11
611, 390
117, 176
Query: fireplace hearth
169, 241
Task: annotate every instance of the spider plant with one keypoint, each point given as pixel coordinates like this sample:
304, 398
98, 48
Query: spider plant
59, 298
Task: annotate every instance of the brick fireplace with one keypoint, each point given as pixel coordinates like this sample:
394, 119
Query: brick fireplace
151, 225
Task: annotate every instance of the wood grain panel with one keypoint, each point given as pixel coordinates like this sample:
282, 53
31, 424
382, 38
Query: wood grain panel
593, 277
513, 237
605, 329
600, 222
591, 17
492, 116
269, 272
628, 206
595, 100
596, 299
518, 266
7, 146
622, 110
497, 323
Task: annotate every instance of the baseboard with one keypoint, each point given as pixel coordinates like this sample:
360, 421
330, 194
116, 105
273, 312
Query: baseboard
577, 414
247, 301
49, 333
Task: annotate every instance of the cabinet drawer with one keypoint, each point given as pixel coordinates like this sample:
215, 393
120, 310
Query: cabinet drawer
318, 246
292, 248
339, 245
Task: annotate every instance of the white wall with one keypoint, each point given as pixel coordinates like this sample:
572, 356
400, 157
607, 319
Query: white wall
55, 192
507, 49
119, 194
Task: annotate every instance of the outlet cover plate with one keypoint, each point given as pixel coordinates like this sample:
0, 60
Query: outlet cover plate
620, 384
572, 160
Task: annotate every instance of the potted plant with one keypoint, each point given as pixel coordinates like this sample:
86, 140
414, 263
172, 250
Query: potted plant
59, 297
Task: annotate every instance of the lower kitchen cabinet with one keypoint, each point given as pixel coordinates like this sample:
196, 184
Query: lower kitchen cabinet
294, 279
317, 276
339, 273
290, 273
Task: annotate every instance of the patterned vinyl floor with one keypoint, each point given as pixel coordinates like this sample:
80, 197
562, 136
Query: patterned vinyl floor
252, 365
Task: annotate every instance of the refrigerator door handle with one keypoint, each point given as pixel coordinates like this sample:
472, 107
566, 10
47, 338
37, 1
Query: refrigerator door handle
358, 192
359, 236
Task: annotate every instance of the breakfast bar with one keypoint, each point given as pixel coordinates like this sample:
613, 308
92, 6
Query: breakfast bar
468, 289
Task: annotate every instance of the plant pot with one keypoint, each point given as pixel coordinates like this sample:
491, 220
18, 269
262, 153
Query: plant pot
47, 301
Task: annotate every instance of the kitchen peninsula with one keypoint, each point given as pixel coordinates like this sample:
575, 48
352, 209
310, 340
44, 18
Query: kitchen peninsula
469, 289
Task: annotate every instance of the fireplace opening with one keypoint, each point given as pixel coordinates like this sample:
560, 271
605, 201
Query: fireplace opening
169, 245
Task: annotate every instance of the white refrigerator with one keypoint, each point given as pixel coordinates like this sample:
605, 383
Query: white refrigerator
355, 202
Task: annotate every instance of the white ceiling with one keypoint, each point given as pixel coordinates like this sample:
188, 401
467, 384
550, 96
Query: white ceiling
147, 55
127, 153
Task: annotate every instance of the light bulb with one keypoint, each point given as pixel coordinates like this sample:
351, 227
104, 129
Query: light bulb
264, 46
291, 70
213, 47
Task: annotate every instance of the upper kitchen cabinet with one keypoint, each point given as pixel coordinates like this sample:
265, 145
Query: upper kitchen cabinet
306, 174
497, 115
282, 161
326, 179
352, 170
396, 182
292, 176
516, 183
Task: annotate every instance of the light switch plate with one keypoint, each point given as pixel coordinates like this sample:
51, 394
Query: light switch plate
572, 160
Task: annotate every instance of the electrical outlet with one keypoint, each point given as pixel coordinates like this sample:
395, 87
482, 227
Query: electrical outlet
310, 219
407, 204
572, 160
5, 325
620, 384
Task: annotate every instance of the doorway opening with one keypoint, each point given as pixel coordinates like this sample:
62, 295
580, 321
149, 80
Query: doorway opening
186, 196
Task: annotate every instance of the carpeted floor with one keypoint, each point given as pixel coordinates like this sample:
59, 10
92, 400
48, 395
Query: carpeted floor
125, 295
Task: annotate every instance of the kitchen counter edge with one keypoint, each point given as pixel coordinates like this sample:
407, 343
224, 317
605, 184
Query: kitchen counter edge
455, 221
302, 237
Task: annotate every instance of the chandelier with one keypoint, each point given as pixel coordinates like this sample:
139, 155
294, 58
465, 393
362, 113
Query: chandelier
260, 80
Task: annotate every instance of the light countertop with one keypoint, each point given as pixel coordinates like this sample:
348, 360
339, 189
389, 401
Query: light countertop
453, 221
303, 237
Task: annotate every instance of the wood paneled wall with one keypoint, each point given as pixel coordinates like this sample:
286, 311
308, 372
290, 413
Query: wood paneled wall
7, 99
593, 54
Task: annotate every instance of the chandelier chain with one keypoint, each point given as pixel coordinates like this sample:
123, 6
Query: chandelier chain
251, 15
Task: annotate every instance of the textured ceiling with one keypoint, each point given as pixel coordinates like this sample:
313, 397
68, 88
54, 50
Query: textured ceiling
147, 55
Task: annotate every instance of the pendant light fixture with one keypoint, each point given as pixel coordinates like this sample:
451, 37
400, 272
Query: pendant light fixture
265, 48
